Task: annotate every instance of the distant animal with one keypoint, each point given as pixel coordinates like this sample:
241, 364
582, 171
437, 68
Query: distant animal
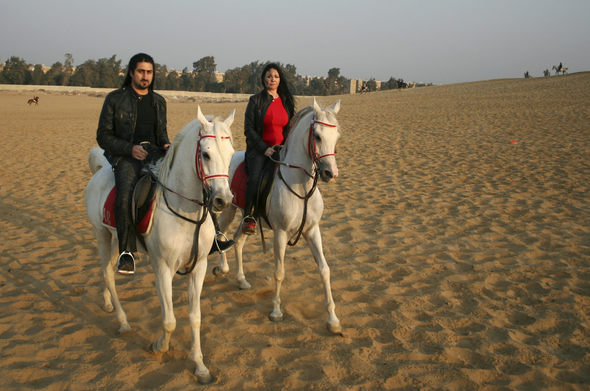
295, 205
559, 68
546, 73
527, 75
34, 100
192, 181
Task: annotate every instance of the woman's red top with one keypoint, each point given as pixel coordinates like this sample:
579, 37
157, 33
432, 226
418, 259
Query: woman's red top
275, 120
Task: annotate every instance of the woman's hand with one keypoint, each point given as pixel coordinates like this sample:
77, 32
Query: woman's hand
269, 152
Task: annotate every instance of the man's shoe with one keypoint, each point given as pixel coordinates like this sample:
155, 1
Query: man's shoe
248, 226
221, 246
126, 263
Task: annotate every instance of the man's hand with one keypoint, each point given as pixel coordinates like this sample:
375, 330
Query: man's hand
138, 152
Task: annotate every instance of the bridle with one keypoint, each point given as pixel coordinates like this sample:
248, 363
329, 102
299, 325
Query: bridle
312, 152
206, 202
199, 161
315, 158
311, 146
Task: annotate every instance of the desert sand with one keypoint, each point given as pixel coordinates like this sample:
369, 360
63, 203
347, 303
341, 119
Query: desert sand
458, 236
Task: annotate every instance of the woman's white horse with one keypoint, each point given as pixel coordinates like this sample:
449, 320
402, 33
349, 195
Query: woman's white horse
295, 205
193, 177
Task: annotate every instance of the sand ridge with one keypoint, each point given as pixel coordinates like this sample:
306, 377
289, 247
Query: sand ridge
458, 236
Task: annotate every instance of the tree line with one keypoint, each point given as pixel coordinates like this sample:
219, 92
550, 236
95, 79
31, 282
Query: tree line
109, 73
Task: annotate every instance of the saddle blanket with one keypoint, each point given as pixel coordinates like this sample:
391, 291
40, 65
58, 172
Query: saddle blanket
109, 213
238, 186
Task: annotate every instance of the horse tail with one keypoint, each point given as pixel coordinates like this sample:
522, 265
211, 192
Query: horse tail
96, 159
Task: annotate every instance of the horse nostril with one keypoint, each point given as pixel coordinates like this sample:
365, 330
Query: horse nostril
219, 203
328, 174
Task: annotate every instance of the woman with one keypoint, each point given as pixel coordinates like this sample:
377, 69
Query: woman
265, 126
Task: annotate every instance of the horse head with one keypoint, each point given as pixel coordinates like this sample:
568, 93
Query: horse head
324, 135
214, 152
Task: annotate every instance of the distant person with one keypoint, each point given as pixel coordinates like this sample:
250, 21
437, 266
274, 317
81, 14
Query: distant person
266, 123
132, 132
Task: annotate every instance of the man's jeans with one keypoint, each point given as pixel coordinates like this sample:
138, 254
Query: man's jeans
126, 174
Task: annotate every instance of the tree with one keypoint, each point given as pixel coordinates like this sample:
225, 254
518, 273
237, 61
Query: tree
37, 75
173, 82
55, 75
68, 68
204, 70
85, 74
187, 80
109, 70
16, 71
160, 73
372, 84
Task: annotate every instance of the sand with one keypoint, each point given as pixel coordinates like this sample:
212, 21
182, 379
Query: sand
458, 236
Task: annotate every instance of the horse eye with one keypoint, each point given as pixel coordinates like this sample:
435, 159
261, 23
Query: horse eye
318, 138
206, 156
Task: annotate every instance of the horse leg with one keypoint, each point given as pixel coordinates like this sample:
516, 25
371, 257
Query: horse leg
314, 239
164, 288
225, 219
107, 254
194, 296
280, 245
240, 240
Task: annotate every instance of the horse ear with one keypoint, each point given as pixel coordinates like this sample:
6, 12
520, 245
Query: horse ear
336, 107
202, 118
230, 120
316, 107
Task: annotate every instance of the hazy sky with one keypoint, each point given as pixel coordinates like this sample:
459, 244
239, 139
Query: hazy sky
440, 41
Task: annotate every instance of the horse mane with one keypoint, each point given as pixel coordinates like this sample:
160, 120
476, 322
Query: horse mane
168, 160
298, 116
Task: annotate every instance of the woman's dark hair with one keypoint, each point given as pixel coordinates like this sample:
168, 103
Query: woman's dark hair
283, 89
139, 57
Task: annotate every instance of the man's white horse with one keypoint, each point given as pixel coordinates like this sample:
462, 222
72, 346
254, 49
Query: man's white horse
193, 177
295, 205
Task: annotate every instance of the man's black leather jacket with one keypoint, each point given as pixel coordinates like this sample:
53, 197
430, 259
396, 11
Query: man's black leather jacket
116, 126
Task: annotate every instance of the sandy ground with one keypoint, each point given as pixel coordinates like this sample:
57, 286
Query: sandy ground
458, 236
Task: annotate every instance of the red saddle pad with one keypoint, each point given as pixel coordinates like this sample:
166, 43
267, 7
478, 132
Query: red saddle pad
109, 213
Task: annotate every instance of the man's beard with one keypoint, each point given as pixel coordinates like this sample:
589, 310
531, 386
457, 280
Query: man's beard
140, 85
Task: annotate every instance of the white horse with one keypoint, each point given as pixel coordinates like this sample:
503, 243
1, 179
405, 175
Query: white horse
193, 177
295, 205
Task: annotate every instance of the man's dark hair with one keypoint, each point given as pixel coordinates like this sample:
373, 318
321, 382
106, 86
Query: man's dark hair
283, 90
139, 57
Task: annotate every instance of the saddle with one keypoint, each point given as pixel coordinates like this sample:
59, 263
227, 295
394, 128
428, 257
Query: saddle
238, 188
141, 205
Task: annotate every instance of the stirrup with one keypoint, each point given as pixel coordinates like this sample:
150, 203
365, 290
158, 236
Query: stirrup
126, 263
221, 246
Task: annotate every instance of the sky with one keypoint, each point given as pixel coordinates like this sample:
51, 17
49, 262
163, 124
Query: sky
435, 41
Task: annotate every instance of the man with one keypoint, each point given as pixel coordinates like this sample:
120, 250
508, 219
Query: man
132, 132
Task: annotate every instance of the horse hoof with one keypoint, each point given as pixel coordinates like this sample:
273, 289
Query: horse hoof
335, 328
244, 285
108, 307
155, 349
124, 328
217, 271
275, 318
204, 377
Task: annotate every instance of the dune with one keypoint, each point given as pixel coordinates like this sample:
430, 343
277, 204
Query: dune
458, 237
